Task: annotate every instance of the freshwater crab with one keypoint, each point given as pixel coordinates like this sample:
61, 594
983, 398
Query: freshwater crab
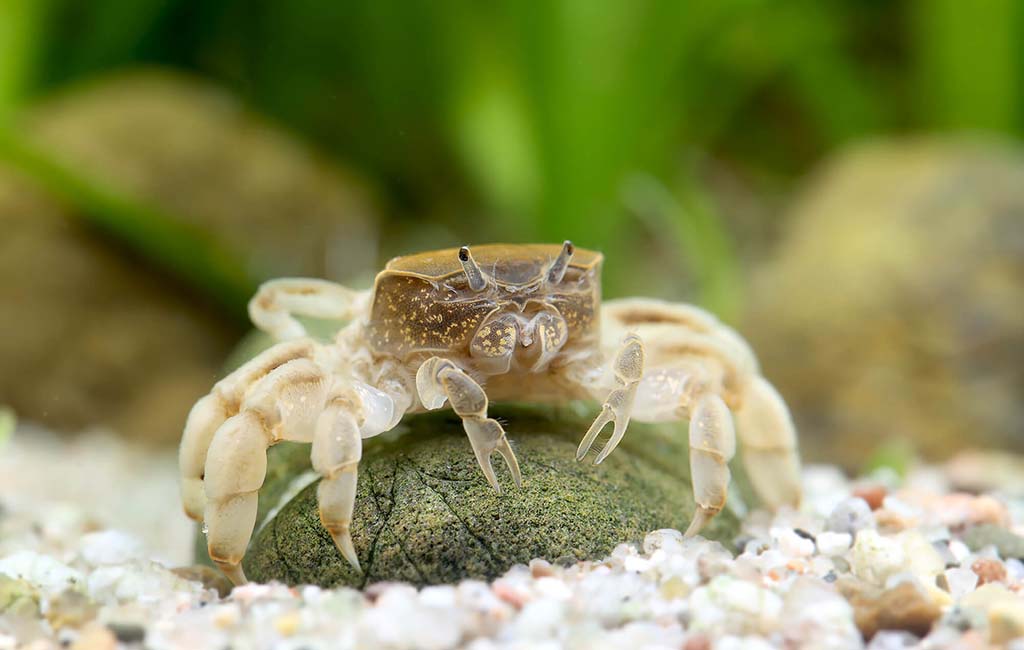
524, 319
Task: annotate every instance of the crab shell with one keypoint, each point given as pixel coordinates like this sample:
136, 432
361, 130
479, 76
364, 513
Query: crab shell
424, 305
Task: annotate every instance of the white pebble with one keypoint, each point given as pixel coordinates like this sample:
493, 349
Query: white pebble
961, 581
850, 516
110, 547
791, 544
41, 570
875, 557
830, 543
667, 538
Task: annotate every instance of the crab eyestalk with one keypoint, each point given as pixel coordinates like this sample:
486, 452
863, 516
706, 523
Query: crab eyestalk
561, 263
477, 282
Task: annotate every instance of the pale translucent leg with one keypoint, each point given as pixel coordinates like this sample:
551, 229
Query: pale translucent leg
768, 438
337, 448
712, 445
236, 467
275, 305
210, 412
629, 369
439, 379
282, 405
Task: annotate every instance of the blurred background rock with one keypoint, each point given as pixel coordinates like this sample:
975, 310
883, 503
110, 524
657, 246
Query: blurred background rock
159, 158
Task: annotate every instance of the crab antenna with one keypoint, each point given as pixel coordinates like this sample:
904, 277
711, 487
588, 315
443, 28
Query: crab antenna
473, 272
561, 263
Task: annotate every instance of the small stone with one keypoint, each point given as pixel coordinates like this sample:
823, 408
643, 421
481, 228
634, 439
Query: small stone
850, 516
922, 559
985, 596
875, 557
792, 544
1006, 542
872, 494
903, 607
70, 608
989, 570
893, 640
830, 543
209, 577
95, 637
960, 582
1006, 621
127, 632
110, 547
815, 615
40, 570
287, 624
540, 567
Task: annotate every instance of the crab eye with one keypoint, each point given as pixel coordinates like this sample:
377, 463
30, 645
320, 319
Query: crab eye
561, 263
477, 282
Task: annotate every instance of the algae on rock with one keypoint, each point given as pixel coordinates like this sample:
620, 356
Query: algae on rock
424, 513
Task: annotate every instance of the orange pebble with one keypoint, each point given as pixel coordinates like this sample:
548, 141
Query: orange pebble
989, 570
874, 494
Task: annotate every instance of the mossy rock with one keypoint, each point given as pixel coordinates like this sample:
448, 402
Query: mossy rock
424, 513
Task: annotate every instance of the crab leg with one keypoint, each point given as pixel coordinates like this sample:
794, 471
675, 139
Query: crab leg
282, 405
712, 445
629, 369
337, 449
210, 412
768, 438
275, 305
439, 379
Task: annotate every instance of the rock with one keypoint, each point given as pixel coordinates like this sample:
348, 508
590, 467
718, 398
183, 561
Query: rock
875, 557
989, 570
903, 607
1006, 621
850, 516
91, 337
424, 514
830, 543
207, 576
816, 616
97, 337
1007, 543
898, 279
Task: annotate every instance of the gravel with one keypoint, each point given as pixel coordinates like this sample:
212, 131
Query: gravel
92, 548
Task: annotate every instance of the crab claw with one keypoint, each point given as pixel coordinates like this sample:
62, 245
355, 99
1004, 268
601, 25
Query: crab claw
487, 437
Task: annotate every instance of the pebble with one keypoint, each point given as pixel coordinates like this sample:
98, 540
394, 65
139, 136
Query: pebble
830, 543
989, 570
875, 557
873, 494
851, 516
904, 607
1007, 543
960, 581
835, 574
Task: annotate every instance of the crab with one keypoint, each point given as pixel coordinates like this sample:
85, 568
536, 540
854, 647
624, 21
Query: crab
527, 321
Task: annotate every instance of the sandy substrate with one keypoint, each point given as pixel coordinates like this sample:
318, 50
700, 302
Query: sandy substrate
93, 545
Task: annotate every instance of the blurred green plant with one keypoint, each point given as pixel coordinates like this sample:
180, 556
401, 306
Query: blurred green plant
544, 114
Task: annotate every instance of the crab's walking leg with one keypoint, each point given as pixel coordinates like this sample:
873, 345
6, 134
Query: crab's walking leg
273, 307
210, 412
439, 379
629, 369
282, 405
712, 445
337, 448
768, 438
